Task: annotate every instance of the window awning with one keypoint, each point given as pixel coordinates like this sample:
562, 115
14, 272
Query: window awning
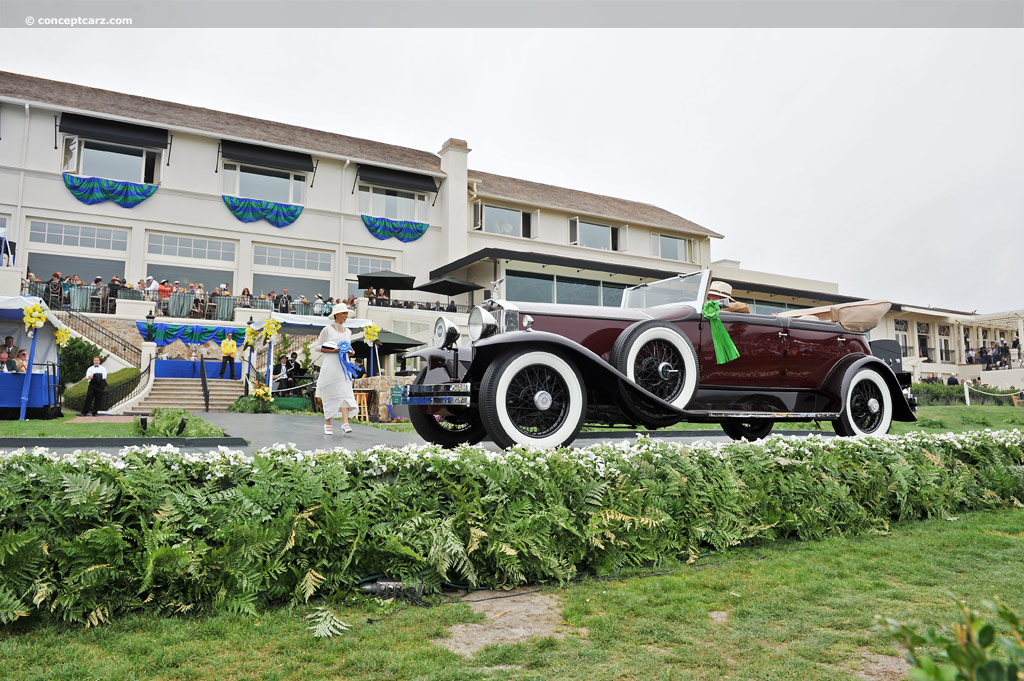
113, 131
399, 179
266, 156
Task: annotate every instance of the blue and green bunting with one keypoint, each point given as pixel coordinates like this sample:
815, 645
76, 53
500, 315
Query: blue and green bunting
725, 349
251, 210
92, 190
403, 230
190, 334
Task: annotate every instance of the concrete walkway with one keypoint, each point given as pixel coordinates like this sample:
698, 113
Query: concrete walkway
306, 431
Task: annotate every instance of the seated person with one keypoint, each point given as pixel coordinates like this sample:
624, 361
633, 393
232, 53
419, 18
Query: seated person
22, 361
7, 364
282, 381
721, 291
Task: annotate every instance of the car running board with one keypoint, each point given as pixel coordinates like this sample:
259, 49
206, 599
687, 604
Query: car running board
774, 415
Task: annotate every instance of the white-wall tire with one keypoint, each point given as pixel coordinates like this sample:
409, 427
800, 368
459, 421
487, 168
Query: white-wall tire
629, 356
861, 418
508, 399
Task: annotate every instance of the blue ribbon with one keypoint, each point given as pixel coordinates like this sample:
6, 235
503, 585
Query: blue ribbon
350, 370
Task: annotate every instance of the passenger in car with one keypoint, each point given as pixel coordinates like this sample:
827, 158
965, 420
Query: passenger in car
721, 291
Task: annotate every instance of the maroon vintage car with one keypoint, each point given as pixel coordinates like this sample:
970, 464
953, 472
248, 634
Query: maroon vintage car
537, 372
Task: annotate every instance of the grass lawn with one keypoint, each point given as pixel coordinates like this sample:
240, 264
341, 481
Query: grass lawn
953, 419
62, 428
793, 611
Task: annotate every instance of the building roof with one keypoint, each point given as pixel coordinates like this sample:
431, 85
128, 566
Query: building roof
121, 106
170, 114
587, 204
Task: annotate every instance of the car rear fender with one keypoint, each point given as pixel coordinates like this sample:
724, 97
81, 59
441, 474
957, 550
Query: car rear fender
838, 383
593, 368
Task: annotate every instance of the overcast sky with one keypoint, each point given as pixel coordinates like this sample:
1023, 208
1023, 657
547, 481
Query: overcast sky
888, 161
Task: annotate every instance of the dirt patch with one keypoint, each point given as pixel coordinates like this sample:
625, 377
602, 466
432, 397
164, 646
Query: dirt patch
512, 616
719, 616
875, 667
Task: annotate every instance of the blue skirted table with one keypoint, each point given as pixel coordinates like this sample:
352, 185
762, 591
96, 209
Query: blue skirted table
180, 304
79, 297
303, 308
225, 308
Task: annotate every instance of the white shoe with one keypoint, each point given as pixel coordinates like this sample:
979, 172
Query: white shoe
328, 430
347, 428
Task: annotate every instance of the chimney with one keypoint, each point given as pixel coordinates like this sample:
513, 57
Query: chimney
454, 198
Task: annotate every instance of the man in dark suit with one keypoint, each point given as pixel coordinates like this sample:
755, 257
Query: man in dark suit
283, 302
9, 347
7, 365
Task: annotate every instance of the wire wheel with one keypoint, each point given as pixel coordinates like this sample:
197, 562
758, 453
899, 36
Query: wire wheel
537, 384
532, 397
659, 368
865, 406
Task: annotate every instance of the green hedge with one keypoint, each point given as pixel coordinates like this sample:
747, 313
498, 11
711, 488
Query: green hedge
89, 536
936, 394
74, 397
76, 358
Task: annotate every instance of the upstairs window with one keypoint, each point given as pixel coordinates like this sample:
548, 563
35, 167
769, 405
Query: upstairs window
112, 150
506, 221
394, 204
111, 161
671, 248
265, 184
595, 235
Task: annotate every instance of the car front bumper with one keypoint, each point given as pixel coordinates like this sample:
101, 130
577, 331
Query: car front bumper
437, 394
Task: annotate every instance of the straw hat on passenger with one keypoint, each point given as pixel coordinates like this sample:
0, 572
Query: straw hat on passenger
720, 288
339, 308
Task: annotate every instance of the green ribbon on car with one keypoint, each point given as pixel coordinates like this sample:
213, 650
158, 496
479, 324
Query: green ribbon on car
725, 349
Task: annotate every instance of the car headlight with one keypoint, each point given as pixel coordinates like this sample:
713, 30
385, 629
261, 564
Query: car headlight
446, 333
481, 324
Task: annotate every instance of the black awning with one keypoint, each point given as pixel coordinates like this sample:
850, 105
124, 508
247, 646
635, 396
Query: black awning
399, 179
597, 265
266, 156
113, 131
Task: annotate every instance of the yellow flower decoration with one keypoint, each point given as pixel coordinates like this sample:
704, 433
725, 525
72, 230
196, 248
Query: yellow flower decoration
250, 338
62, 337
371, 332
262, 393
270, 327
34, 317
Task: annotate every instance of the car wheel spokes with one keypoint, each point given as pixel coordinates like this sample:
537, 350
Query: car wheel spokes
659, 369
537, 401
866, 406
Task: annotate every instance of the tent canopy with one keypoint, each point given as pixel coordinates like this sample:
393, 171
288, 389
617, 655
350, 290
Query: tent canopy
12, 310
392, 281
307, 324
449, 286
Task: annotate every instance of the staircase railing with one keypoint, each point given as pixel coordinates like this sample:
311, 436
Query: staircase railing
206, 383
101, 336
130, 389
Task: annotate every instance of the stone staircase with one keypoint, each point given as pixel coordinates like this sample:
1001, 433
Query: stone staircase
187, 393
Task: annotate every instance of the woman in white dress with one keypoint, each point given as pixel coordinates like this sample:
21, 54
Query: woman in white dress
333, 387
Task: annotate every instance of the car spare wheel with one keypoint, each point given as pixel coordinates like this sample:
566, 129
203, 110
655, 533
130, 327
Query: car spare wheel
532, 397
660, 359
867, 406
446, 426
754, 429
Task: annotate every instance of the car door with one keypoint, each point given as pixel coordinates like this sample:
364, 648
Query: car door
814, 348
762, 343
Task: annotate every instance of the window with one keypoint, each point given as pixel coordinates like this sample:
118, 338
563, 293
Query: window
362, 264
670, 248
532, 287
3, 225
924, 327
111, 161
903, 336
394, 204
190, 247
79, 236
506, 221
593, 235
265, 184
275, 256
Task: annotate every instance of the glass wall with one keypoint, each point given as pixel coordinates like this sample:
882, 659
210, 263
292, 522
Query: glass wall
532, 287
297, 286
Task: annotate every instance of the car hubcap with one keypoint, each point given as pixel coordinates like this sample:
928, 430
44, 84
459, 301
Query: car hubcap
654, 369
537, 401
866, 406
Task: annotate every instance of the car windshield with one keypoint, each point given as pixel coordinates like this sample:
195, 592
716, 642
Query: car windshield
681, 289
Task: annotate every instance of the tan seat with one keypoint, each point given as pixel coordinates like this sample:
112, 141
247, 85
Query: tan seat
859, 316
